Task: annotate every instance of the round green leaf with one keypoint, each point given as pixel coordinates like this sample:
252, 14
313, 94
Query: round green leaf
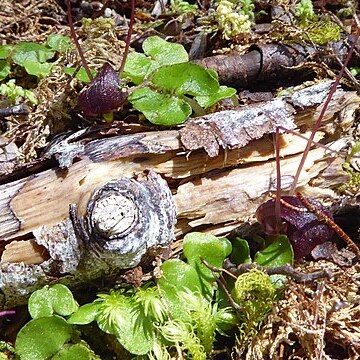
58, 42
37, 69
30, 51
40, 303
85, 314
136, 67
224, 92
278, 253
77, 351
213, 250
164, 52
178, 276
62, 300
186, 78
41, 338
160, 109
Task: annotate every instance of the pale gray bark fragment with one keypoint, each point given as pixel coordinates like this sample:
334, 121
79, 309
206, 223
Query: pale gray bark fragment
236, 128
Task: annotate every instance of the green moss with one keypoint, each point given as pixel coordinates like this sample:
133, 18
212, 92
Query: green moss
323, 30
353, 185
234, 18
256, 294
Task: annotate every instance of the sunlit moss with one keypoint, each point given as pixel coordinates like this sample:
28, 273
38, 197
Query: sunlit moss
323, 31
256, 294
353, 185
320, 30
234, 19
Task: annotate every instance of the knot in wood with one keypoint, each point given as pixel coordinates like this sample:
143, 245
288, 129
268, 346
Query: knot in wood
114, 215
127, 217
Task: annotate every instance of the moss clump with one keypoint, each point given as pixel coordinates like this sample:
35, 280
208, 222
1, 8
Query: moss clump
352, 186
323, 30
256, 294
320, 30
234, 18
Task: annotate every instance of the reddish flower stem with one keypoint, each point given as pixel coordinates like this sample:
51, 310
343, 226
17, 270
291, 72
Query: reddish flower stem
322, 113
128, 37
74, 37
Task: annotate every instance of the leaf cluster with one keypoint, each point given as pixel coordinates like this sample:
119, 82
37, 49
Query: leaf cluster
171, 86
184, 311
33, 57
149, 321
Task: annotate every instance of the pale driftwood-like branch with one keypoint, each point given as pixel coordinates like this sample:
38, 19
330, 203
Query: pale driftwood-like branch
206, 191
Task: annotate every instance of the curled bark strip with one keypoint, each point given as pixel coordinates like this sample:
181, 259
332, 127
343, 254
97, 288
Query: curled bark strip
271, 62
231, 129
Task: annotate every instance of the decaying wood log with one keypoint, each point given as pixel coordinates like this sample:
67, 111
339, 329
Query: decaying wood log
106, 205
272, 63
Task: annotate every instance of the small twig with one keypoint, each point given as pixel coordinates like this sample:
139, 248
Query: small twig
21, 109
330, 223
222, 282
286, 270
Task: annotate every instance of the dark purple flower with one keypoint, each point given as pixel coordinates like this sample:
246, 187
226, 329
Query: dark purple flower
304, 229
104, 93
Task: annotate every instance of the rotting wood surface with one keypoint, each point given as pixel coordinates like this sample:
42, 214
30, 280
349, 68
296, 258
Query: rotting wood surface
273, 63
220, 187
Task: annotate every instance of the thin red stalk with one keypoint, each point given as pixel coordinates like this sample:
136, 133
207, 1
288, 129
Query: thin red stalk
322, 113
289, 131
74, 37
128, 37
278, 181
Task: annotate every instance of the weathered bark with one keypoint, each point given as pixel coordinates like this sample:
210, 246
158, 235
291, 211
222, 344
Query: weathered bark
272, 63
92, 240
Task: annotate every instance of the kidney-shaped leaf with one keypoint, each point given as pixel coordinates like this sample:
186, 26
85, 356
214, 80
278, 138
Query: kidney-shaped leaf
136, 67
164, 52
62, 299
41, 338
224, 92
278, 253
198, 246
186, 78
160, 109
52, 299
178, 276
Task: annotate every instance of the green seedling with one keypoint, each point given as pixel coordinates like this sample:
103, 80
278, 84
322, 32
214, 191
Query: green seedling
15, 93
